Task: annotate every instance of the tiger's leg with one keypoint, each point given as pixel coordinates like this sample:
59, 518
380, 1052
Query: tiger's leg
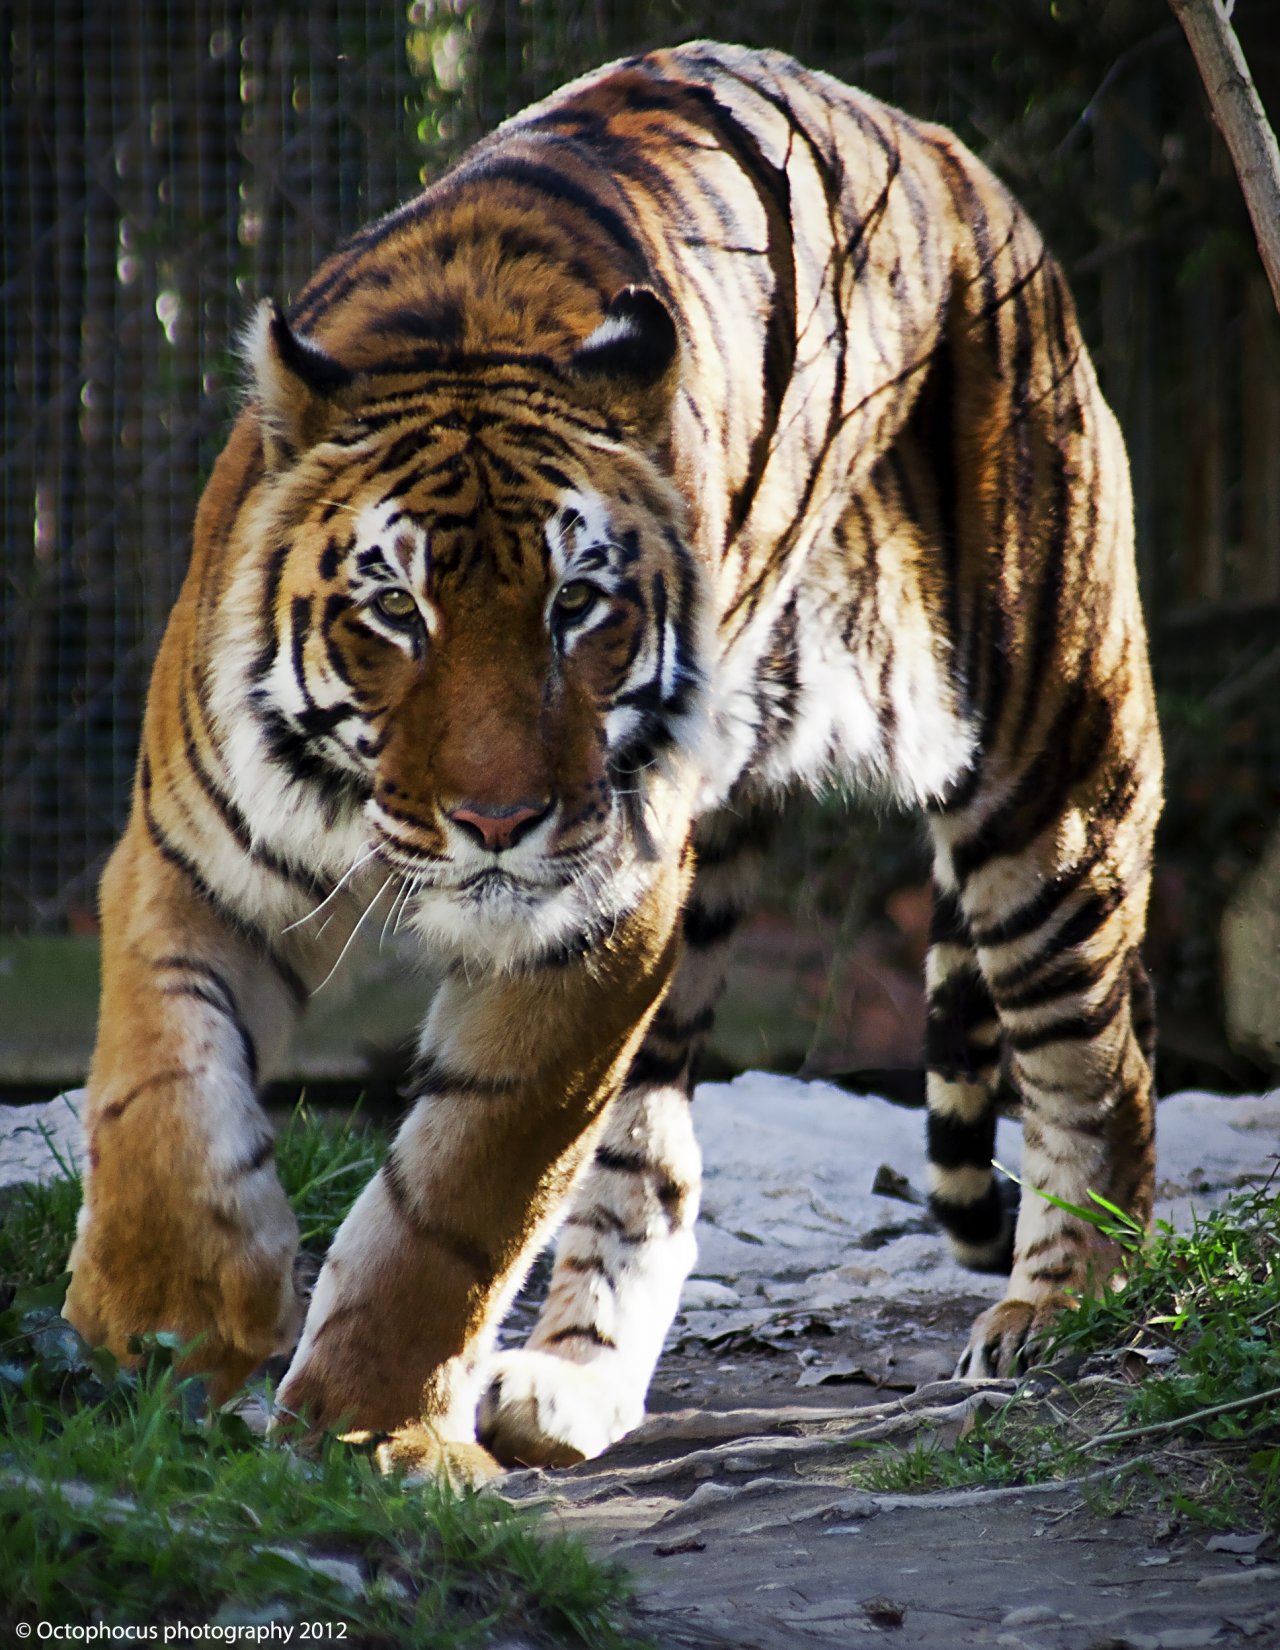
184, 1226
628, 1245
1051, 875
521, 1070
962, 1057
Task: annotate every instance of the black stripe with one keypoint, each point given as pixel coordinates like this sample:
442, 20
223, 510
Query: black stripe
1040, 642
1075, 1028
227, 915
471, 1255
431, 1077
1053, 1274
258, 1157
958, 1006
580, 1332
334, 608
703, 928
114, 1109
233, 819
978, 1224
547, 179
591, 1266
956, 1144
1060, 976
299, 630
624, 1162
604, 1223
197, 965
1074, 744
1024, 919
773, 191
202, 994
658, 626
339, 791
558, 956
935, 415
443, 326
744, 833
948, 924
650, 1069
673, 1030
270, 592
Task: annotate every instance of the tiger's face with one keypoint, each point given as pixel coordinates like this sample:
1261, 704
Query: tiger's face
487, 648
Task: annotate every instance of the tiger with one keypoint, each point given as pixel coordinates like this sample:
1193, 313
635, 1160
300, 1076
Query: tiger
710, 432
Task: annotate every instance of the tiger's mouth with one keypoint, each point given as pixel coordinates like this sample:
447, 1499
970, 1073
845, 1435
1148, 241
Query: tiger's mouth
438, 880
511, 910
496, 885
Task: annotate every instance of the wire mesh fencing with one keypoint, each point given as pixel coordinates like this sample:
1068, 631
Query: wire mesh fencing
160, 167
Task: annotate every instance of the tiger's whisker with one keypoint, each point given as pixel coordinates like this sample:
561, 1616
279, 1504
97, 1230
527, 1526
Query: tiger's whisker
405, 879
401, 904
414, 888
352, 935
333, 892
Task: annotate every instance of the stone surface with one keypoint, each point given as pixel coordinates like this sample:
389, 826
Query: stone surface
732, 1506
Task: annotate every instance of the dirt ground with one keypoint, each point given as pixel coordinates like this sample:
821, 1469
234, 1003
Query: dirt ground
734, 1512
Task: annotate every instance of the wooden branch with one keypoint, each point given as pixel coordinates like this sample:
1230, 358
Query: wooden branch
1240, 118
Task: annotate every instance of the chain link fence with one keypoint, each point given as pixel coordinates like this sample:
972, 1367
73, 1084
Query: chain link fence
160, 166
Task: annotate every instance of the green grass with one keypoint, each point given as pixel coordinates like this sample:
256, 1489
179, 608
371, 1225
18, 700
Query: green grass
323, 1167
1004, 1449
1186, 1367
123, 1500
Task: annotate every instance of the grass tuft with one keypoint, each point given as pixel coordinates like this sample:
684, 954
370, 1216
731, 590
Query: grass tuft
323, 1165
1184, 1360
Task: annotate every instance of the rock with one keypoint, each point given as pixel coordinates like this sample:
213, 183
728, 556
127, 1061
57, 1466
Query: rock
1027, 1615
706, 1295
1251, 957
34, 1138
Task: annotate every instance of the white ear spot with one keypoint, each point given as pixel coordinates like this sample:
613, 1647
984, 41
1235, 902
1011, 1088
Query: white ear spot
295, 384
635, 343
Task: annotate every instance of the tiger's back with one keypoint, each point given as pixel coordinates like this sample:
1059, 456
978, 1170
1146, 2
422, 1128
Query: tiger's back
710, 429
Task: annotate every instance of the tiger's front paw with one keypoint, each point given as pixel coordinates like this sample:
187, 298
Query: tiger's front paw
1005, 1338
542, 1411
228, 1290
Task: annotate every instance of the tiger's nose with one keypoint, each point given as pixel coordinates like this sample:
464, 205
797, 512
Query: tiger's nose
499, 828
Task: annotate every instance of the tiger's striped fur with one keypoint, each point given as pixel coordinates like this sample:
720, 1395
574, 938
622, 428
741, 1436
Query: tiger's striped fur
711, 429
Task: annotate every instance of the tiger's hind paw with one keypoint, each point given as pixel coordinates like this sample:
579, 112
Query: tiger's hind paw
419, 1453
540, 1410
1005, 1338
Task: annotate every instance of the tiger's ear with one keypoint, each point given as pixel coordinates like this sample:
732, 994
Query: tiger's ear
296, 384
629, 363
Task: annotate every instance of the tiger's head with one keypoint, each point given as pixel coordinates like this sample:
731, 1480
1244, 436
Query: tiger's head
466, 625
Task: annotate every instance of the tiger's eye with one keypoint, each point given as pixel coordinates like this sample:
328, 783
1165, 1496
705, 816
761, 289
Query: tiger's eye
396, 605
575, 597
